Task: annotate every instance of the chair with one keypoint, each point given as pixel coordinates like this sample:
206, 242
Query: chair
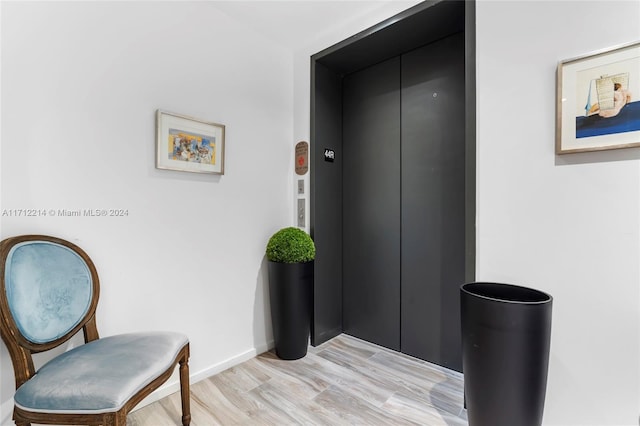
49, 290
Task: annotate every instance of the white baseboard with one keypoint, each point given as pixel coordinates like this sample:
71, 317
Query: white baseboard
174, 385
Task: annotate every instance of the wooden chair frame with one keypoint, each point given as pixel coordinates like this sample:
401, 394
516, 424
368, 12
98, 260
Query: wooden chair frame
21, 350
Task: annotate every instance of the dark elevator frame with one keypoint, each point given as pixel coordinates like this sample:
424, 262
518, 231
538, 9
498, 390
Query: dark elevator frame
420, 25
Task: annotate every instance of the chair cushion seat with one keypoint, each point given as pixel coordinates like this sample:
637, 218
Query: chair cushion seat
100, 376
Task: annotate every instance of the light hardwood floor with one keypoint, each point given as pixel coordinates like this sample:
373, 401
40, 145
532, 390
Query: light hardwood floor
345, 381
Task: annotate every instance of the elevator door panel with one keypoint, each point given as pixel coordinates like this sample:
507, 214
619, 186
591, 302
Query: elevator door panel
371, 204
433, 200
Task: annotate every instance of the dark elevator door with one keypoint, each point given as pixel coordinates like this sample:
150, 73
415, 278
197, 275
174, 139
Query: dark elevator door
371, 204
433, 201
403, 202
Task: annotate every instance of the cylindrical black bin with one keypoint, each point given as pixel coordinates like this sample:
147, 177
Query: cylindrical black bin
506, 333
290, 294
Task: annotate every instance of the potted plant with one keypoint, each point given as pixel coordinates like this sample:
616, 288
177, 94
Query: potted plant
290, 254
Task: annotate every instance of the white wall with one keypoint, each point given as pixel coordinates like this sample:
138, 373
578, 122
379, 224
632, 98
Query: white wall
80, 86
569, 225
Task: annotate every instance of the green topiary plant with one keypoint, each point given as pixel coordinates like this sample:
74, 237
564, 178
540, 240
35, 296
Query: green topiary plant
291, 245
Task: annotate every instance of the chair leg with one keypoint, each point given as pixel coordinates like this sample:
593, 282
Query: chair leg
184, 390
118, 418
121, 418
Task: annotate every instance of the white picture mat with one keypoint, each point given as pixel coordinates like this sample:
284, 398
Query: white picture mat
167, 121
576, 75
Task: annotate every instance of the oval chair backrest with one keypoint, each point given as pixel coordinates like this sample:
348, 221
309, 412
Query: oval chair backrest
48, 288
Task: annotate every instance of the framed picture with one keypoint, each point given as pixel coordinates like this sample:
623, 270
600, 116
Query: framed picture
188, 144
598, 101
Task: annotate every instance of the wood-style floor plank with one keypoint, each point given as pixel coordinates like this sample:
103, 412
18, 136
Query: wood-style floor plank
345, 381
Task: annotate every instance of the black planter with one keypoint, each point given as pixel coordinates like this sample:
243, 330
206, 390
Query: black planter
506, 331
290, 287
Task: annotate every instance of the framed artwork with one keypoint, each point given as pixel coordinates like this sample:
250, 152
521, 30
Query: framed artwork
188, 144
598, 101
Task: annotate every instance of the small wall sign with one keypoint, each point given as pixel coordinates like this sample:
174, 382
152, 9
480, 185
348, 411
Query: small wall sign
302, 158
329, 155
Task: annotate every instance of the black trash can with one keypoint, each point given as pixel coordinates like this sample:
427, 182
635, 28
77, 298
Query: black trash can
506, 334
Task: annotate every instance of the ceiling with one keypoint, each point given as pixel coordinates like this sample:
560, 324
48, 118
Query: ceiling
295, 24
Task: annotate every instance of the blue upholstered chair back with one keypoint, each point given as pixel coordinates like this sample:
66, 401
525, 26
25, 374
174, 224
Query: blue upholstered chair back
48, 288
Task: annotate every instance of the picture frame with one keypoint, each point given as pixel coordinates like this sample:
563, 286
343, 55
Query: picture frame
598, 100
189, 144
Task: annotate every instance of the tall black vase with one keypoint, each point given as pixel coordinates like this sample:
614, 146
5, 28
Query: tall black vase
290, 289
506, 331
